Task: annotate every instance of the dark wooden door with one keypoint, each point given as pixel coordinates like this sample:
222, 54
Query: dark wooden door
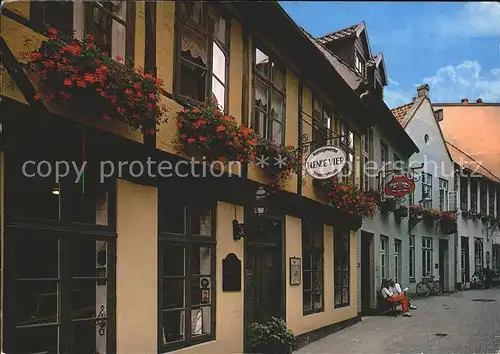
366, 288
262, 283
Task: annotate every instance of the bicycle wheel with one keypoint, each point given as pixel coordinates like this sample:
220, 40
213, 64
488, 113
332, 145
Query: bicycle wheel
438, 288
423, 289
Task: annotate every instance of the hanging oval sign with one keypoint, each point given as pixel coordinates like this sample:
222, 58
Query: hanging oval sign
325, 162
399, 186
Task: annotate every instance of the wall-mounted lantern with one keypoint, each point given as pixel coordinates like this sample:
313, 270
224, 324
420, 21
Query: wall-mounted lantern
259, 209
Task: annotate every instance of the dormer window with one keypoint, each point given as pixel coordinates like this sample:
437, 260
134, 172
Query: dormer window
360, 64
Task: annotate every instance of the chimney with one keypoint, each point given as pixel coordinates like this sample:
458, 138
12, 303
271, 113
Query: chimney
423, 91
479, 100
438, 114
464, 101
413, 99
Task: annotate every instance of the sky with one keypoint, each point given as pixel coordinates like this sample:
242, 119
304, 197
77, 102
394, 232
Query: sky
453, 47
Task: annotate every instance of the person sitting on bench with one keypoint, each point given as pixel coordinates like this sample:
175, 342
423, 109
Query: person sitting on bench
395, 288
391, 297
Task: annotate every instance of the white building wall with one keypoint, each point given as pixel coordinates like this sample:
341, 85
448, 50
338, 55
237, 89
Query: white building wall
387, 225
436, 161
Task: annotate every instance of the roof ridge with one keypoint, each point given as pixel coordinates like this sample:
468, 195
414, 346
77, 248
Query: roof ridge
340, 30
473, 159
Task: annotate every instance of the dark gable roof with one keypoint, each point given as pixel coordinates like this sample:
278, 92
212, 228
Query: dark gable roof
343, 33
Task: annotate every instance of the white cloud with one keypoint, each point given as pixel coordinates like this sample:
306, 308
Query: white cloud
395, 98
393, 82
466, 80
477, 19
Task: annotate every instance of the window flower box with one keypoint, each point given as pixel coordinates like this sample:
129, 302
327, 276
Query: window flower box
206, 131
77, 71
279, 162
466, 214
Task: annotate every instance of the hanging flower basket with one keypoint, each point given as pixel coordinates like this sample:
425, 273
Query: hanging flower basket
401, 212
349, 199
375, 195
75, 70
279, 162
415, 212
387, 205
448, 223
431, 215
206, 131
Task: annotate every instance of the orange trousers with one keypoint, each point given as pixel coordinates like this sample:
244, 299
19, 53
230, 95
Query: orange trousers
401, 299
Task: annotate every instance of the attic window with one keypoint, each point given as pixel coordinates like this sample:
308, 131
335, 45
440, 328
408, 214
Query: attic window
359, 63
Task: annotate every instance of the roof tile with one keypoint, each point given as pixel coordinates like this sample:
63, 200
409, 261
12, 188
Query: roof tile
401, 111
333, 36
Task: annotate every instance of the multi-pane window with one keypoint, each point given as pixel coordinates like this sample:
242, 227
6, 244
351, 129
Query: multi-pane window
269, 97
426, 190
398, 163
473, 195
484, 198
443, 194
412, 257
312, 254
498, 203
322, 124
186, 252
384, 243
478, 253
464, 193
397, 260
366, 150
203, 51
384, 159
57, 14
491, 200
359, 64
106, 21
426, 256
342, 268
347, 144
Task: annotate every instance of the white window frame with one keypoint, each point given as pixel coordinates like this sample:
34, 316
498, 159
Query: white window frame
443, 194
412, 254
426, 185
397, 260
427, 250
384, 269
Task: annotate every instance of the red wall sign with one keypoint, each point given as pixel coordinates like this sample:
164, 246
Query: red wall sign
399, 186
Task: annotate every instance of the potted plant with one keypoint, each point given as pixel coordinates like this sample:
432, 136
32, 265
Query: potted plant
401, 212
279, 162
431, 215
205, 130
271, 338
375, 195
73, 70
448, 223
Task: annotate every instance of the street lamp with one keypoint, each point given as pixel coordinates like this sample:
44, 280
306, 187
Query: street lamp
259, 209
260, 204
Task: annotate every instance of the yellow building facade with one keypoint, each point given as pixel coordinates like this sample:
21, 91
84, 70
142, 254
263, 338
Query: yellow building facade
148, 264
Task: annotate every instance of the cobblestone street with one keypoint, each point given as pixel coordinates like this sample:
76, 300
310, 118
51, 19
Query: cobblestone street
453, 323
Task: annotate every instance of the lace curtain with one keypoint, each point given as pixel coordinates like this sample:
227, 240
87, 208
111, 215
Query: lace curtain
196, 45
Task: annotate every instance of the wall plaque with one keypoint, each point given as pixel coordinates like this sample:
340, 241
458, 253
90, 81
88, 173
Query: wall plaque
295, 271
231, 273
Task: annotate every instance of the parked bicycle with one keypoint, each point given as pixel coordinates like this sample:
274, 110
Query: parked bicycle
428, 285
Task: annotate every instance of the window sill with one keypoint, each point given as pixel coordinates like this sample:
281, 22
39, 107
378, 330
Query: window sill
341, 306
413, 281
312, 312
167, 348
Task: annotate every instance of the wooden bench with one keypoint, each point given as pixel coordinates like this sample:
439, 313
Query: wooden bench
386, 307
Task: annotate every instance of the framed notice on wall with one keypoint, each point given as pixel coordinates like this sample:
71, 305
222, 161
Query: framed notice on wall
295, 271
